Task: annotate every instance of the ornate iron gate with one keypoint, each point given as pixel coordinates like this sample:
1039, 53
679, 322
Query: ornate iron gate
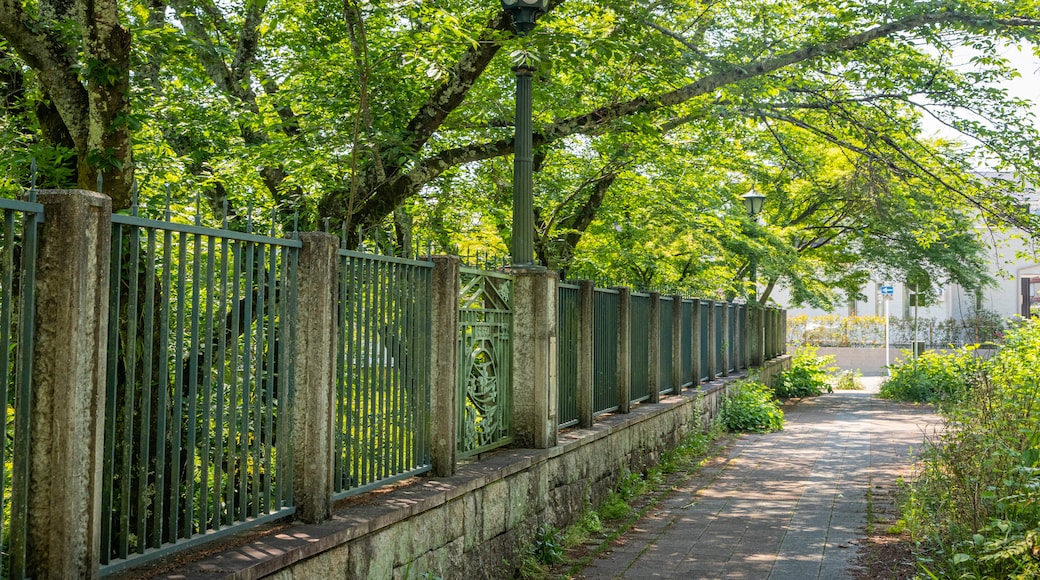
485, 361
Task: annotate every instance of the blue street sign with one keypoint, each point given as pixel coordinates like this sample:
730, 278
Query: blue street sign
888, 290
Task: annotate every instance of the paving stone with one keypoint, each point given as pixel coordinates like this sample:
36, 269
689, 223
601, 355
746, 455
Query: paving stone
783, 506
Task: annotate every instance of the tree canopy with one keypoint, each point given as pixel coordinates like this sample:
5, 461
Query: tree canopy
392, 121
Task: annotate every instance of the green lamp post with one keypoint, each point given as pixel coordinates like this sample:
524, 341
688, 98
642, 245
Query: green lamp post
753, 202
523, 14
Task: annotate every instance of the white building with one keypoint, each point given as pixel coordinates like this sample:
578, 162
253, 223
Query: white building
1014, 264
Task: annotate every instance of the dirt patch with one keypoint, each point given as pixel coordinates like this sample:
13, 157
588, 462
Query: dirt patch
886, 551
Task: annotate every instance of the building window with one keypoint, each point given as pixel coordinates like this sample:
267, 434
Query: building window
1031, 296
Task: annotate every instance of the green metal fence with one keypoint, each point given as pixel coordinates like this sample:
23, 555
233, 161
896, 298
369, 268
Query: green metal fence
665, 381
705, 349
742, 332
686, 344
605, 351
718, 349
18, 237
769, 323
569, 309
639, 347
199, 386
383, 378
485, 361
732, 337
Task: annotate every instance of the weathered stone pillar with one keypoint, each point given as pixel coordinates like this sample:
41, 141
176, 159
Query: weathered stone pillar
314, 360
756, 335
586, 345
698, 342
713, 342
444, 365
654, 348
624, 350
534, 358
678, 380
68, 387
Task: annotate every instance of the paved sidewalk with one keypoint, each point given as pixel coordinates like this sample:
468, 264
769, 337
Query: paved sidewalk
783, 506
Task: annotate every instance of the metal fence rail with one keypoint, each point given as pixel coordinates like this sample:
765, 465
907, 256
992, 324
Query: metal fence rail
18, 237
605, 351
485, 361
569, 308
199, 380
639, 348
665, 383
383, 374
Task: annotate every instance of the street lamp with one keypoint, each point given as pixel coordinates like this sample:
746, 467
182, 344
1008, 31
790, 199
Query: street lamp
753, 202
523, 14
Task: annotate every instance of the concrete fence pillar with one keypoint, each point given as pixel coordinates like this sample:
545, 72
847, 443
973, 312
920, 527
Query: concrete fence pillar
534, 358
68, 387
624, 350
444, 365
586, 346
678, 380
654, 348
314, 360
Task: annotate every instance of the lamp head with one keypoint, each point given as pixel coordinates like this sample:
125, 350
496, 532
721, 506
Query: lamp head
524, 13
753, 202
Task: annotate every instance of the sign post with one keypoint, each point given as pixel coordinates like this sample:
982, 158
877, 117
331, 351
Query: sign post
887, 292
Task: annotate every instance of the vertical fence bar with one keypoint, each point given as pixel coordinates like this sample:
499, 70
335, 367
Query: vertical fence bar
108, 478
7, 312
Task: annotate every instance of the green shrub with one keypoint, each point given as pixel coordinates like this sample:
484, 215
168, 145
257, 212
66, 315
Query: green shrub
975, 505
751, 407
807, 376
932, 377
